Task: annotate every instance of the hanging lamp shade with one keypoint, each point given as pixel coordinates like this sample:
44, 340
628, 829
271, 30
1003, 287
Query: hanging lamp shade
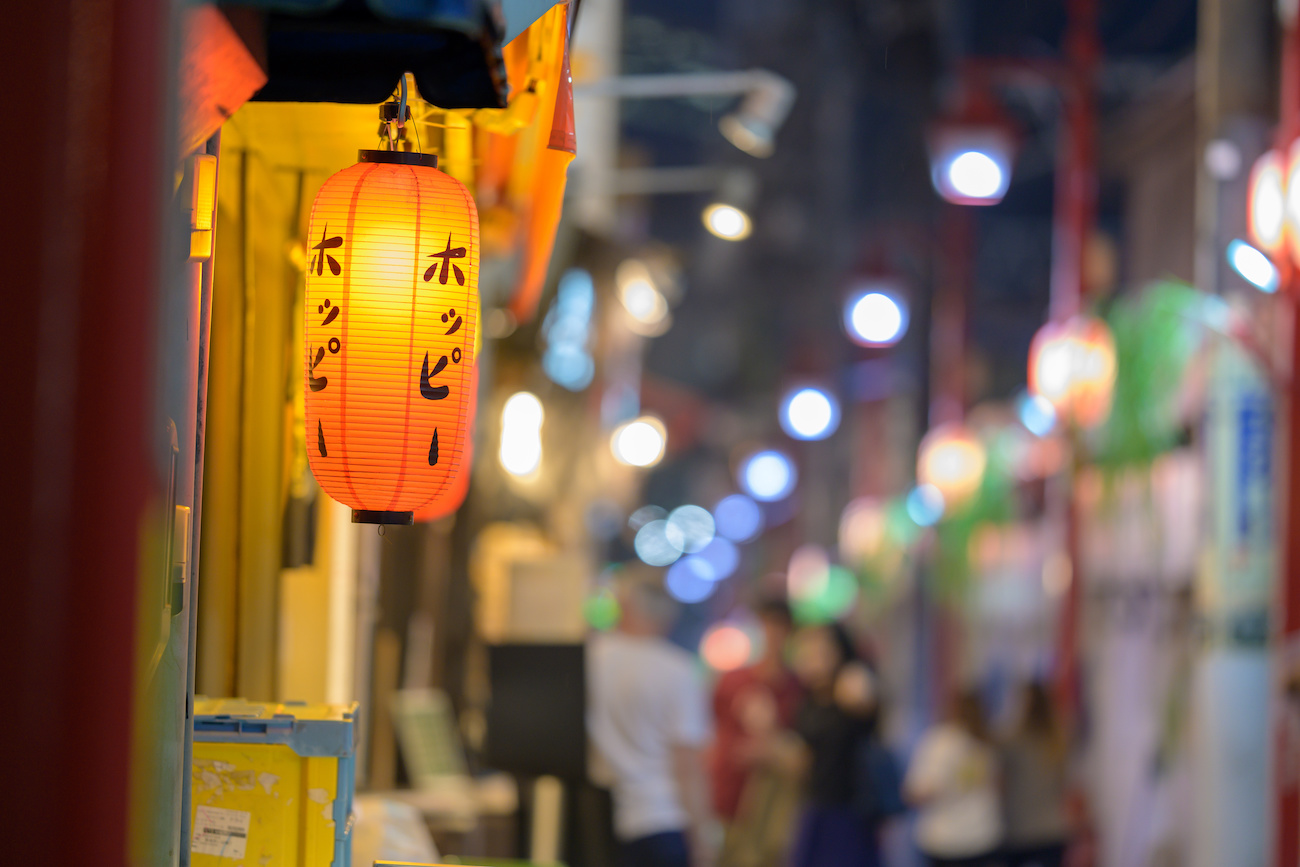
391, 315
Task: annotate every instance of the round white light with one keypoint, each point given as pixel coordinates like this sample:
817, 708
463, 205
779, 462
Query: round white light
727, 222
521, 434
639, 443
645, 515
875, 319
925, 505
690, 580
975, 175
643, 301
695, 526
1254, 267
810, 414
1223, 159
737, 518
645, 304
653, 546
768, 476
523, 409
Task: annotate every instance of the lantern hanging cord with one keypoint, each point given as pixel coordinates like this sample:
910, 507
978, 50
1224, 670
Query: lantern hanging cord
401, 105
401, 117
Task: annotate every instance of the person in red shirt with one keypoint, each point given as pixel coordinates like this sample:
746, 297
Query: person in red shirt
751, 707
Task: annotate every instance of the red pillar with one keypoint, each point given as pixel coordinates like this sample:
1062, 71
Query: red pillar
82, 158
1075, 214
1286, 766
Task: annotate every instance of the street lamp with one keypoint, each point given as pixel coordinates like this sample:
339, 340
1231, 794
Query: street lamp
972, 167
875, 316
727, 221
810, 413
971, 152
768, 476
726, 216
752, 127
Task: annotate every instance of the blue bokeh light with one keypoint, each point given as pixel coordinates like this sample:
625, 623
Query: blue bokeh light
1037, 414
738, 518
1253, 266
690, 580
722, 556
925, 505
768, 476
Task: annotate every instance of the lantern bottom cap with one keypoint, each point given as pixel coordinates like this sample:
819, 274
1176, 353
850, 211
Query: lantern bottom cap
369, 516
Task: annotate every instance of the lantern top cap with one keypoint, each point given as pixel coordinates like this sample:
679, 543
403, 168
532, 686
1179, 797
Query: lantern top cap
402, 158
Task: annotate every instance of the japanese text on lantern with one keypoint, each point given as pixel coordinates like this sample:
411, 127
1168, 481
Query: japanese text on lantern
390, 333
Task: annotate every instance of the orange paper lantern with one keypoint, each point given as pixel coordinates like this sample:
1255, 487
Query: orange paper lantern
952, 459
1267, 203
1073, 365
391, 317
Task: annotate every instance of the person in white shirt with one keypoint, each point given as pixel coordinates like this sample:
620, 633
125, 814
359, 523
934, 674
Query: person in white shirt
648, 723
953, 781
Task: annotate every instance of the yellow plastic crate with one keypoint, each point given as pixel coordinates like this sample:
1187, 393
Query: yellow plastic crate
271, 784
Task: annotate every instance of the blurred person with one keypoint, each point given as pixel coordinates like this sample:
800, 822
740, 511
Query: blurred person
648, 723
752, 705
953, 781
836, 723
1034, 783
754, 781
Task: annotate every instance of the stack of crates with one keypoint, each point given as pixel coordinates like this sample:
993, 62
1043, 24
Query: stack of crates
272, 784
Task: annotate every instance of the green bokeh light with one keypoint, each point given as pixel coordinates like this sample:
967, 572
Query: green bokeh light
601, 610
832, 600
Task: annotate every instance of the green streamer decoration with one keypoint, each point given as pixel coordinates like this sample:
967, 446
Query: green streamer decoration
1156, 333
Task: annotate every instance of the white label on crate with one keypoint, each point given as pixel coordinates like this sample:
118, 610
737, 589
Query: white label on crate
220, 832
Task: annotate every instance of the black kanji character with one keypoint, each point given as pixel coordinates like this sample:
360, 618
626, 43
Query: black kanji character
433, 449
334, 312
446, 256
455, 326
317, 382
428, 390
318, 261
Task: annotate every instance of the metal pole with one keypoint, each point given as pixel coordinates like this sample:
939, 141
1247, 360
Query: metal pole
213, 147
682, 84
